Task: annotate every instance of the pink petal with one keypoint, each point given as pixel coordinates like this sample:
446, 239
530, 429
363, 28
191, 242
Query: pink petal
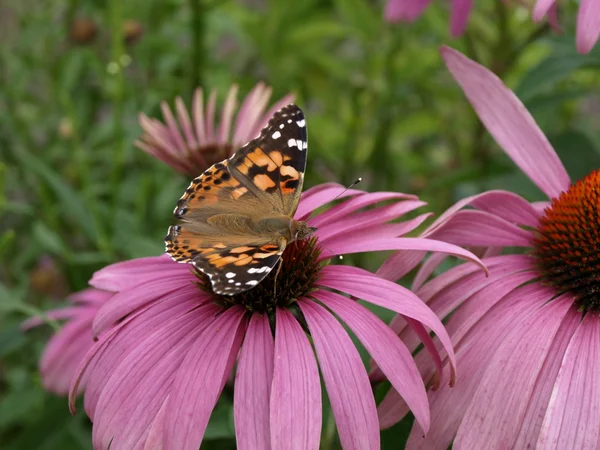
507, 205
227, 115
461, 10
404, 10
345, 378
509, 122
426, 269
186, 123
346, 208
479, 228
348, 245
573, 416
138, 386
57, 314
296, 389
90, 296
538, 404
253, 386
588, 25
123, 303
127, 274
321, 195
386, 294
200, 380
174, 134
449, 404
399, 264
385, 347
114, 345
541, 8
210, 116
499, 405
246, 115
198, 116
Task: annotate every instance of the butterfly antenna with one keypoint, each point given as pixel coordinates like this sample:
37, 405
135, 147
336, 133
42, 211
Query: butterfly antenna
351, 185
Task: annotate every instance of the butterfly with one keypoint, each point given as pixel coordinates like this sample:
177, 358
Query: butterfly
237, 218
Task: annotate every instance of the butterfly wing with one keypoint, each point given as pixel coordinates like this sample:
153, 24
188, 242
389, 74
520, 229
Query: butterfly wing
232, 263
264, 178
272, 165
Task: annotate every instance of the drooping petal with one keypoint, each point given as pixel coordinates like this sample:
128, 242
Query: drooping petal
509, 123
320, 195
461, 10
449, 404
588, 25
346, 246
386, 348
386, 294
200, 380
573, 416
399, 264
123, 303
296, 389
345, 378
128, 274
346, 208
227, 115
538, 403
498, 406
123, 338
479, 228
253, 386
139, 384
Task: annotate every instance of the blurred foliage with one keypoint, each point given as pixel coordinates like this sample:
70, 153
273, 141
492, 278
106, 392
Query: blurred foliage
76, 195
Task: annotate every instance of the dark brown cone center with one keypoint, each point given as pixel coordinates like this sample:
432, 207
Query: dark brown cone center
567, 244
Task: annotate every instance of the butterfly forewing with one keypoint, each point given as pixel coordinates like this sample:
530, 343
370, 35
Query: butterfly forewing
220, 209
272, 165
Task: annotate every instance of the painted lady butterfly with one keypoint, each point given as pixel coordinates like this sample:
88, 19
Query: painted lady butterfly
237, 217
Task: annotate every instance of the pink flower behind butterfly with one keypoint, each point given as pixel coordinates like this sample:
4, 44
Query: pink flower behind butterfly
588, 18
192, 144
68, 346
167, 344
527, 338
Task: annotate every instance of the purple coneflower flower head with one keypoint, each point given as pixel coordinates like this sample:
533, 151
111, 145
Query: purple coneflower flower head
167, 344
527, 338
65, 350
191, 144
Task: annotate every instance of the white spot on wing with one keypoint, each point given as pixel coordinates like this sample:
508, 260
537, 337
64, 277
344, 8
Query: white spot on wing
281, 126
276, 135
252, 283
292, 143
230, 274
301, 123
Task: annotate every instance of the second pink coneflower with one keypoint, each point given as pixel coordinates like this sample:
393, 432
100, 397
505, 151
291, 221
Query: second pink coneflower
192, 143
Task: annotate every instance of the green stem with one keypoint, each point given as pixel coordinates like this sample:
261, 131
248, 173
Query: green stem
198, 52
115, 10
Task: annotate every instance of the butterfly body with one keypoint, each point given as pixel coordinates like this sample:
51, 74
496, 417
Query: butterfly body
237, 217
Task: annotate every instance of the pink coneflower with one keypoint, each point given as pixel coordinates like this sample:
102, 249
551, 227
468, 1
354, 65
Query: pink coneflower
588, 18
69, 345
167, 344
527, 338
192, 144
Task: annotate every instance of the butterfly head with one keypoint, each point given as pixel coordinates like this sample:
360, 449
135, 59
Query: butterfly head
300, 230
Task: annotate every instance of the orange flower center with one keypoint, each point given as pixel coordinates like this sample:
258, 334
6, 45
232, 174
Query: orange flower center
567, 244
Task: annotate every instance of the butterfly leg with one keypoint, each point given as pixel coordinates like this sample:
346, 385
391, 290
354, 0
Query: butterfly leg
282, 242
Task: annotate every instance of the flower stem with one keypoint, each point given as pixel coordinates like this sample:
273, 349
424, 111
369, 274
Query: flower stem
197, 32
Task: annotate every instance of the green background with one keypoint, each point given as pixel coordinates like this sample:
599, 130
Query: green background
75, 194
